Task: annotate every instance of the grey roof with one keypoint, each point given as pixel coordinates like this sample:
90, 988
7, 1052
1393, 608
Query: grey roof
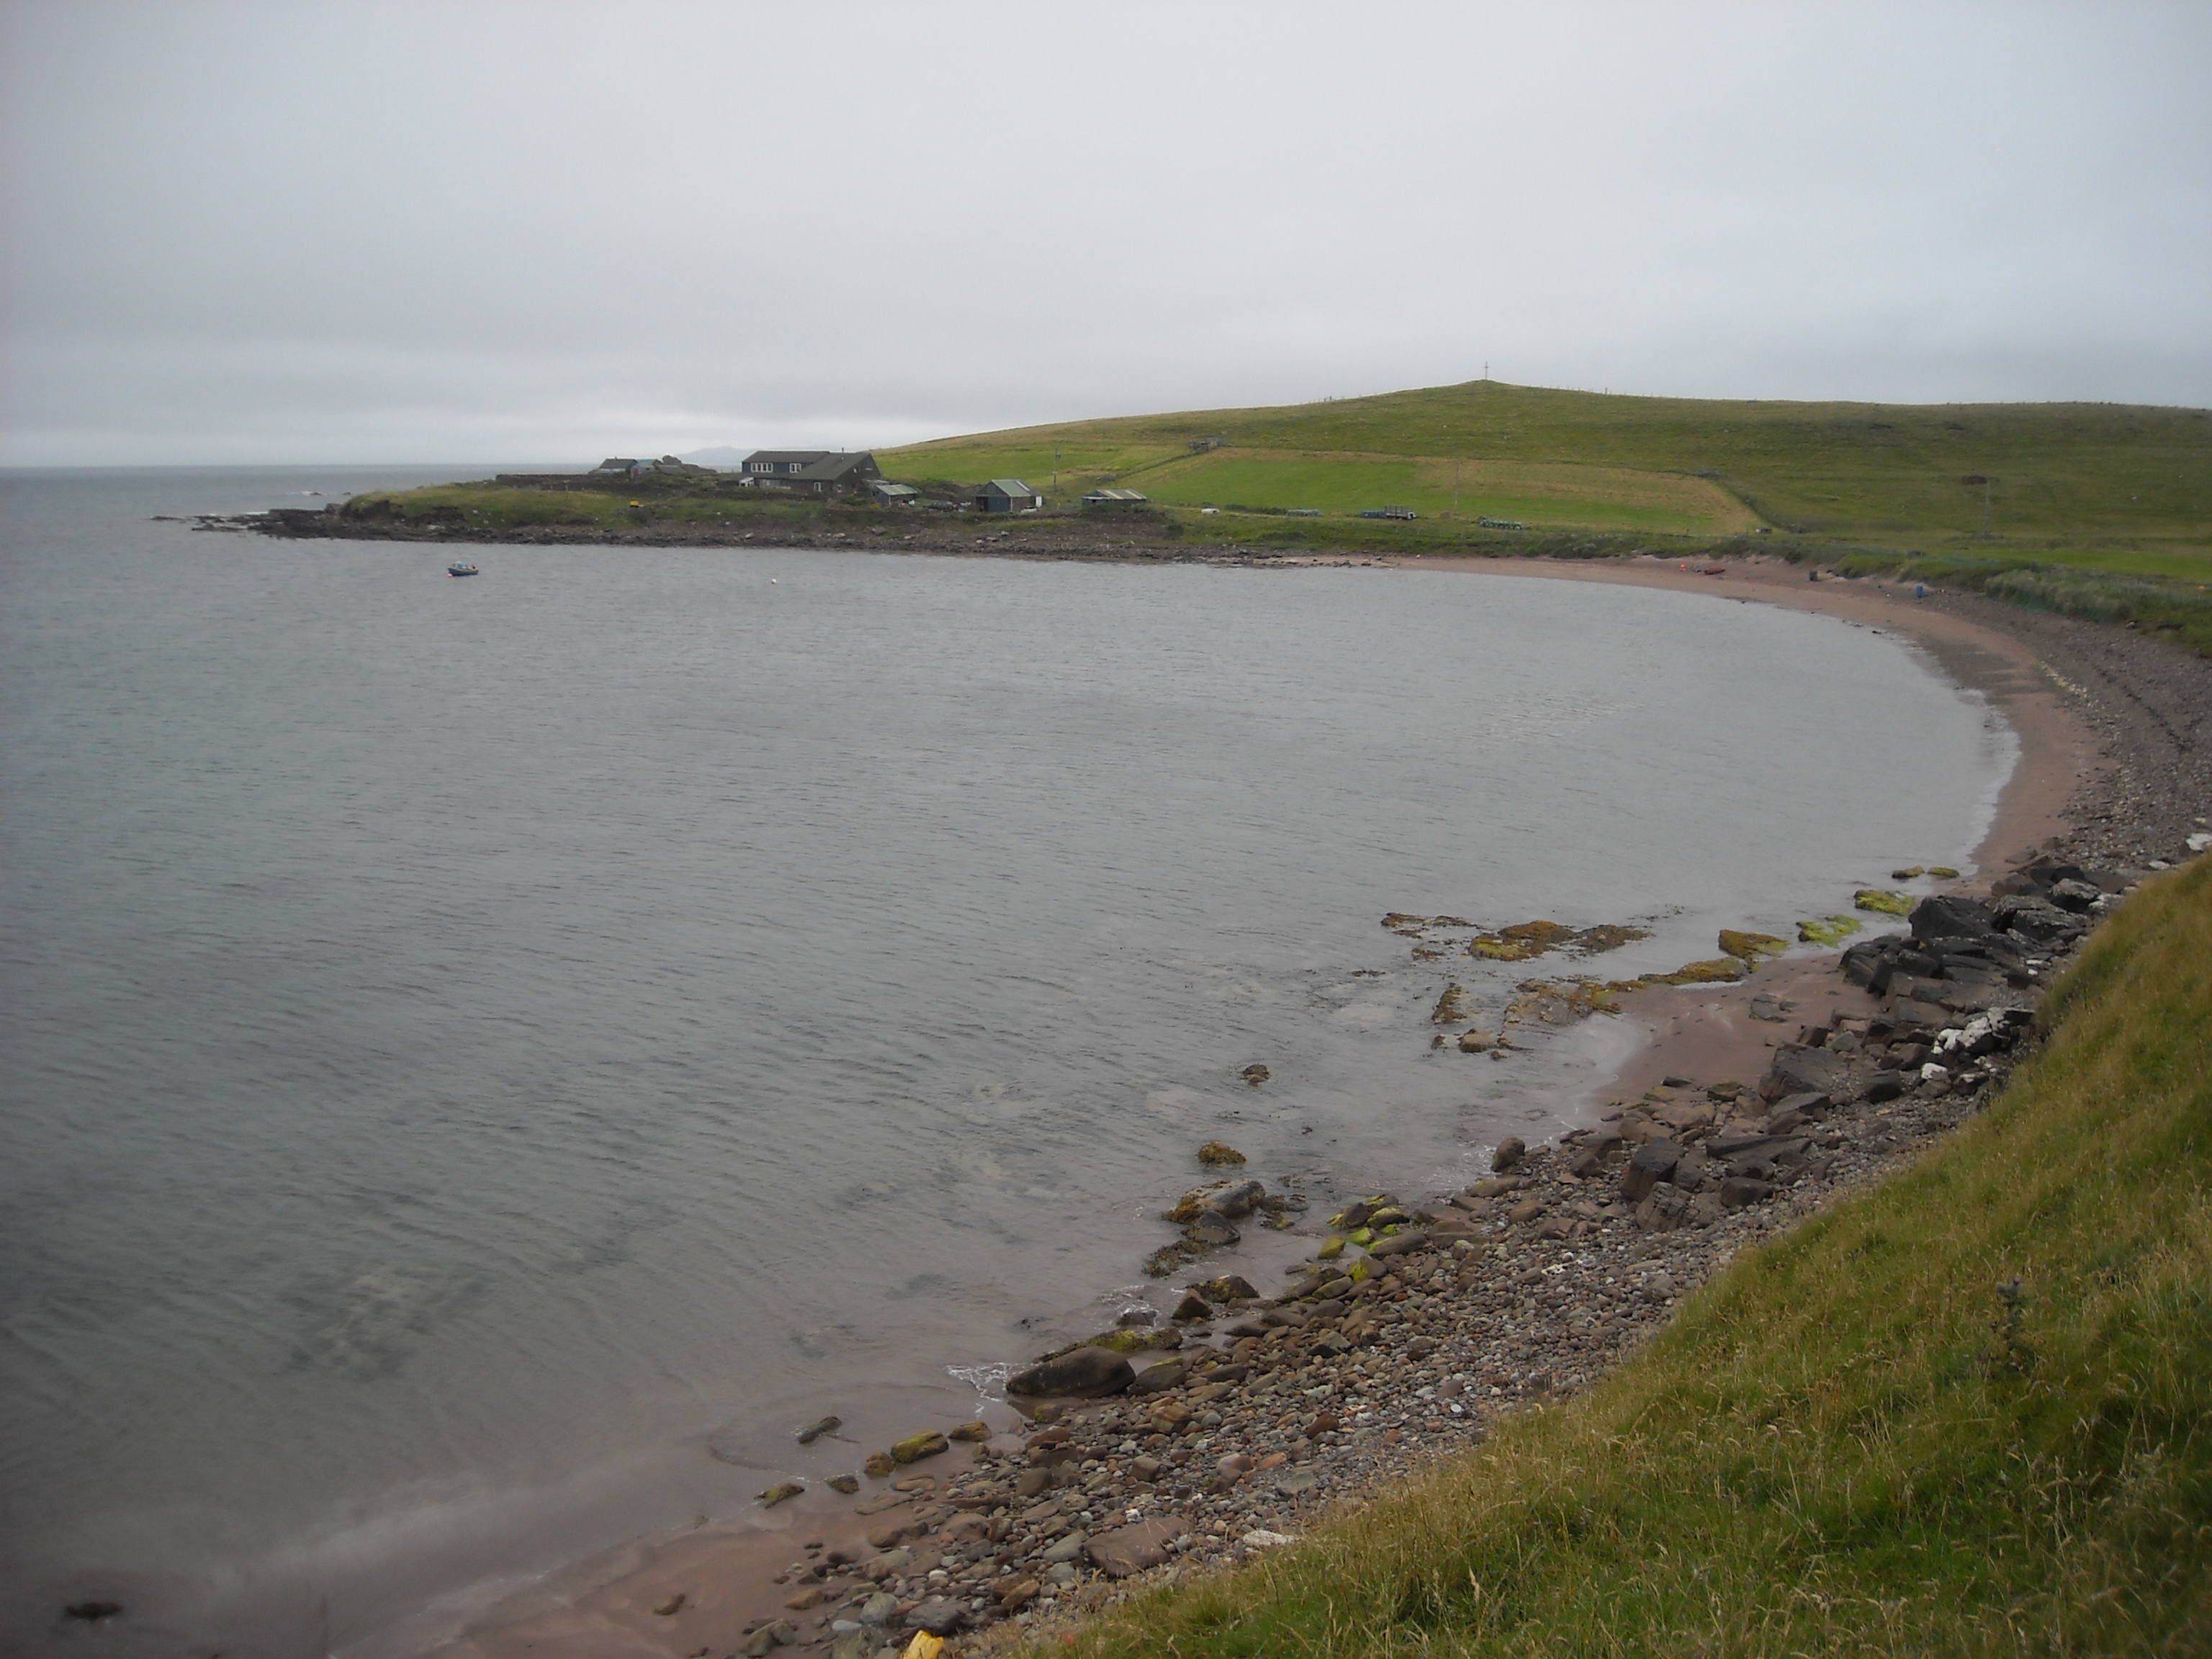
832, 467
780, 459
1006, 487
1116, 496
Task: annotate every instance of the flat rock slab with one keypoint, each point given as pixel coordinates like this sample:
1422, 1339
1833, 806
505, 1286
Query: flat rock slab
1912, 1010
1132, 1548
1800, 1070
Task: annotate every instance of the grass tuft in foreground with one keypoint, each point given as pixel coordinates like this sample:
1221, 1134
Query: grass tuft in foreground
1964, 1412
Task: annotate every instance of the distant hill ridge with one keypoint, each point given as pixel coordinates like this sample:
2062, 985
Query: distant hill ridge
2031, 474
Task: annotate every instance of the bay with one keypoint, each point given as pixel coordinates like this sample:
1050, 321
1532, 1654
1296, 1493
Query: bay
469, 1044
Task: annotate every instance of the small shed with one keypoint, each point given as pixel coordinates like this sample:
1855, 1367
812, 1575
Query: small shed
1113, 501
893, 495
1006, 495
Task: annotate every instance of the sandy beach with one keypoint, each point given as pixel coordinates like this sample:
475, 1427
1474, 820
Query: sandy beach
2110, 773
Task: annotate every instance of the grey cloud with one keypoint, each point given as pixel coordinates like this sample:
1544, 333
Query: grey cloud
397, 232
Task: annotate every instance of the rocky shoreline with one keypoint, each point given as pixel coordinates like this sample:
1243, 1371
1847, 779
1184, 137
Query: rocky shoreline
1417, 1324
1178, 1447
1165, 1448
1121, 541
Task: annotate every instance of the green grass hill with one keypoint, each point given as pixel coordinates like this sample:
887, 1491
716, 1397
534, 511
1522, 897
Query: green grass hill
2094, 509
1964, 1413
2108, 485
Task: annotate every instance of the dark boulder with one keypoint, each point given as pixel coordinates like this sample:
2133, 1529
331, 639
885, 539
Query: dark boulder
1945, 916
2038, 922
1652, 1163
1911, 1011
1915, 990
1761, 1158
938, 1616
1664, 1210
1863, 961
1735, 1140
1799, 1070
1227, 1287
1087, 1373
1157, 1379
1885, 1085
1511, 1151
2075, 896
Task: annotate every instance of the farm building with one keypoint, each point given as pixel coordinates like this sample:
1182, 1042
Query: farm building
625, 466
811, 472
1115, 499
616, 469
1006, 495
893, 495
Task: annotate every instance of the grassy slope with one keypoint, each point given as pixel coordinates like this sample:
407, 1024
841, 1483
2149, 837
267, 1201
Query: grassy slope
1840, 1446
2067, 476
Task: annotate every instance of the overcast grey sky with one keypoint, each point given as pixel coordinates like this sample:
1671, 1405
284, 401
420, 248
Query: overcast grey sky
390, 232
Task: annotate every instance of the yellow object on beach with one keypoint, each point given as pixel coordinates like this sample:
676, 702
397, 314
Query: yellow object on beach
1750, 947
924, 1646
1832, 931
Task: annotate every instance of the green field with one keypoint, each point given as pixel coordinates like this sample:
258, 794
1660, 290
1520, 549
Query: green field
1965, 1412
2106, 483
1590, 497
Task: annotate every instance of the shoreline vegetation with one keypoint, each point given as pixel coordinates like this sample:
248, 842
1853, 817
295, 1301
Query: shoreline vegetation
1802, 1345
2102, 510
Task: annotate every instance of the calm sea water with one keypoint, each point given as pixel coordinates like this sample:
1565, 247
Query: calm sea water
468, 1046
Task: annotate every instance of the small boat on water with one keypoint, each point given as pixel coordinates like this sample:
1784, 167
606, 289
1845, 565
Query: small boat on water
461, 570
